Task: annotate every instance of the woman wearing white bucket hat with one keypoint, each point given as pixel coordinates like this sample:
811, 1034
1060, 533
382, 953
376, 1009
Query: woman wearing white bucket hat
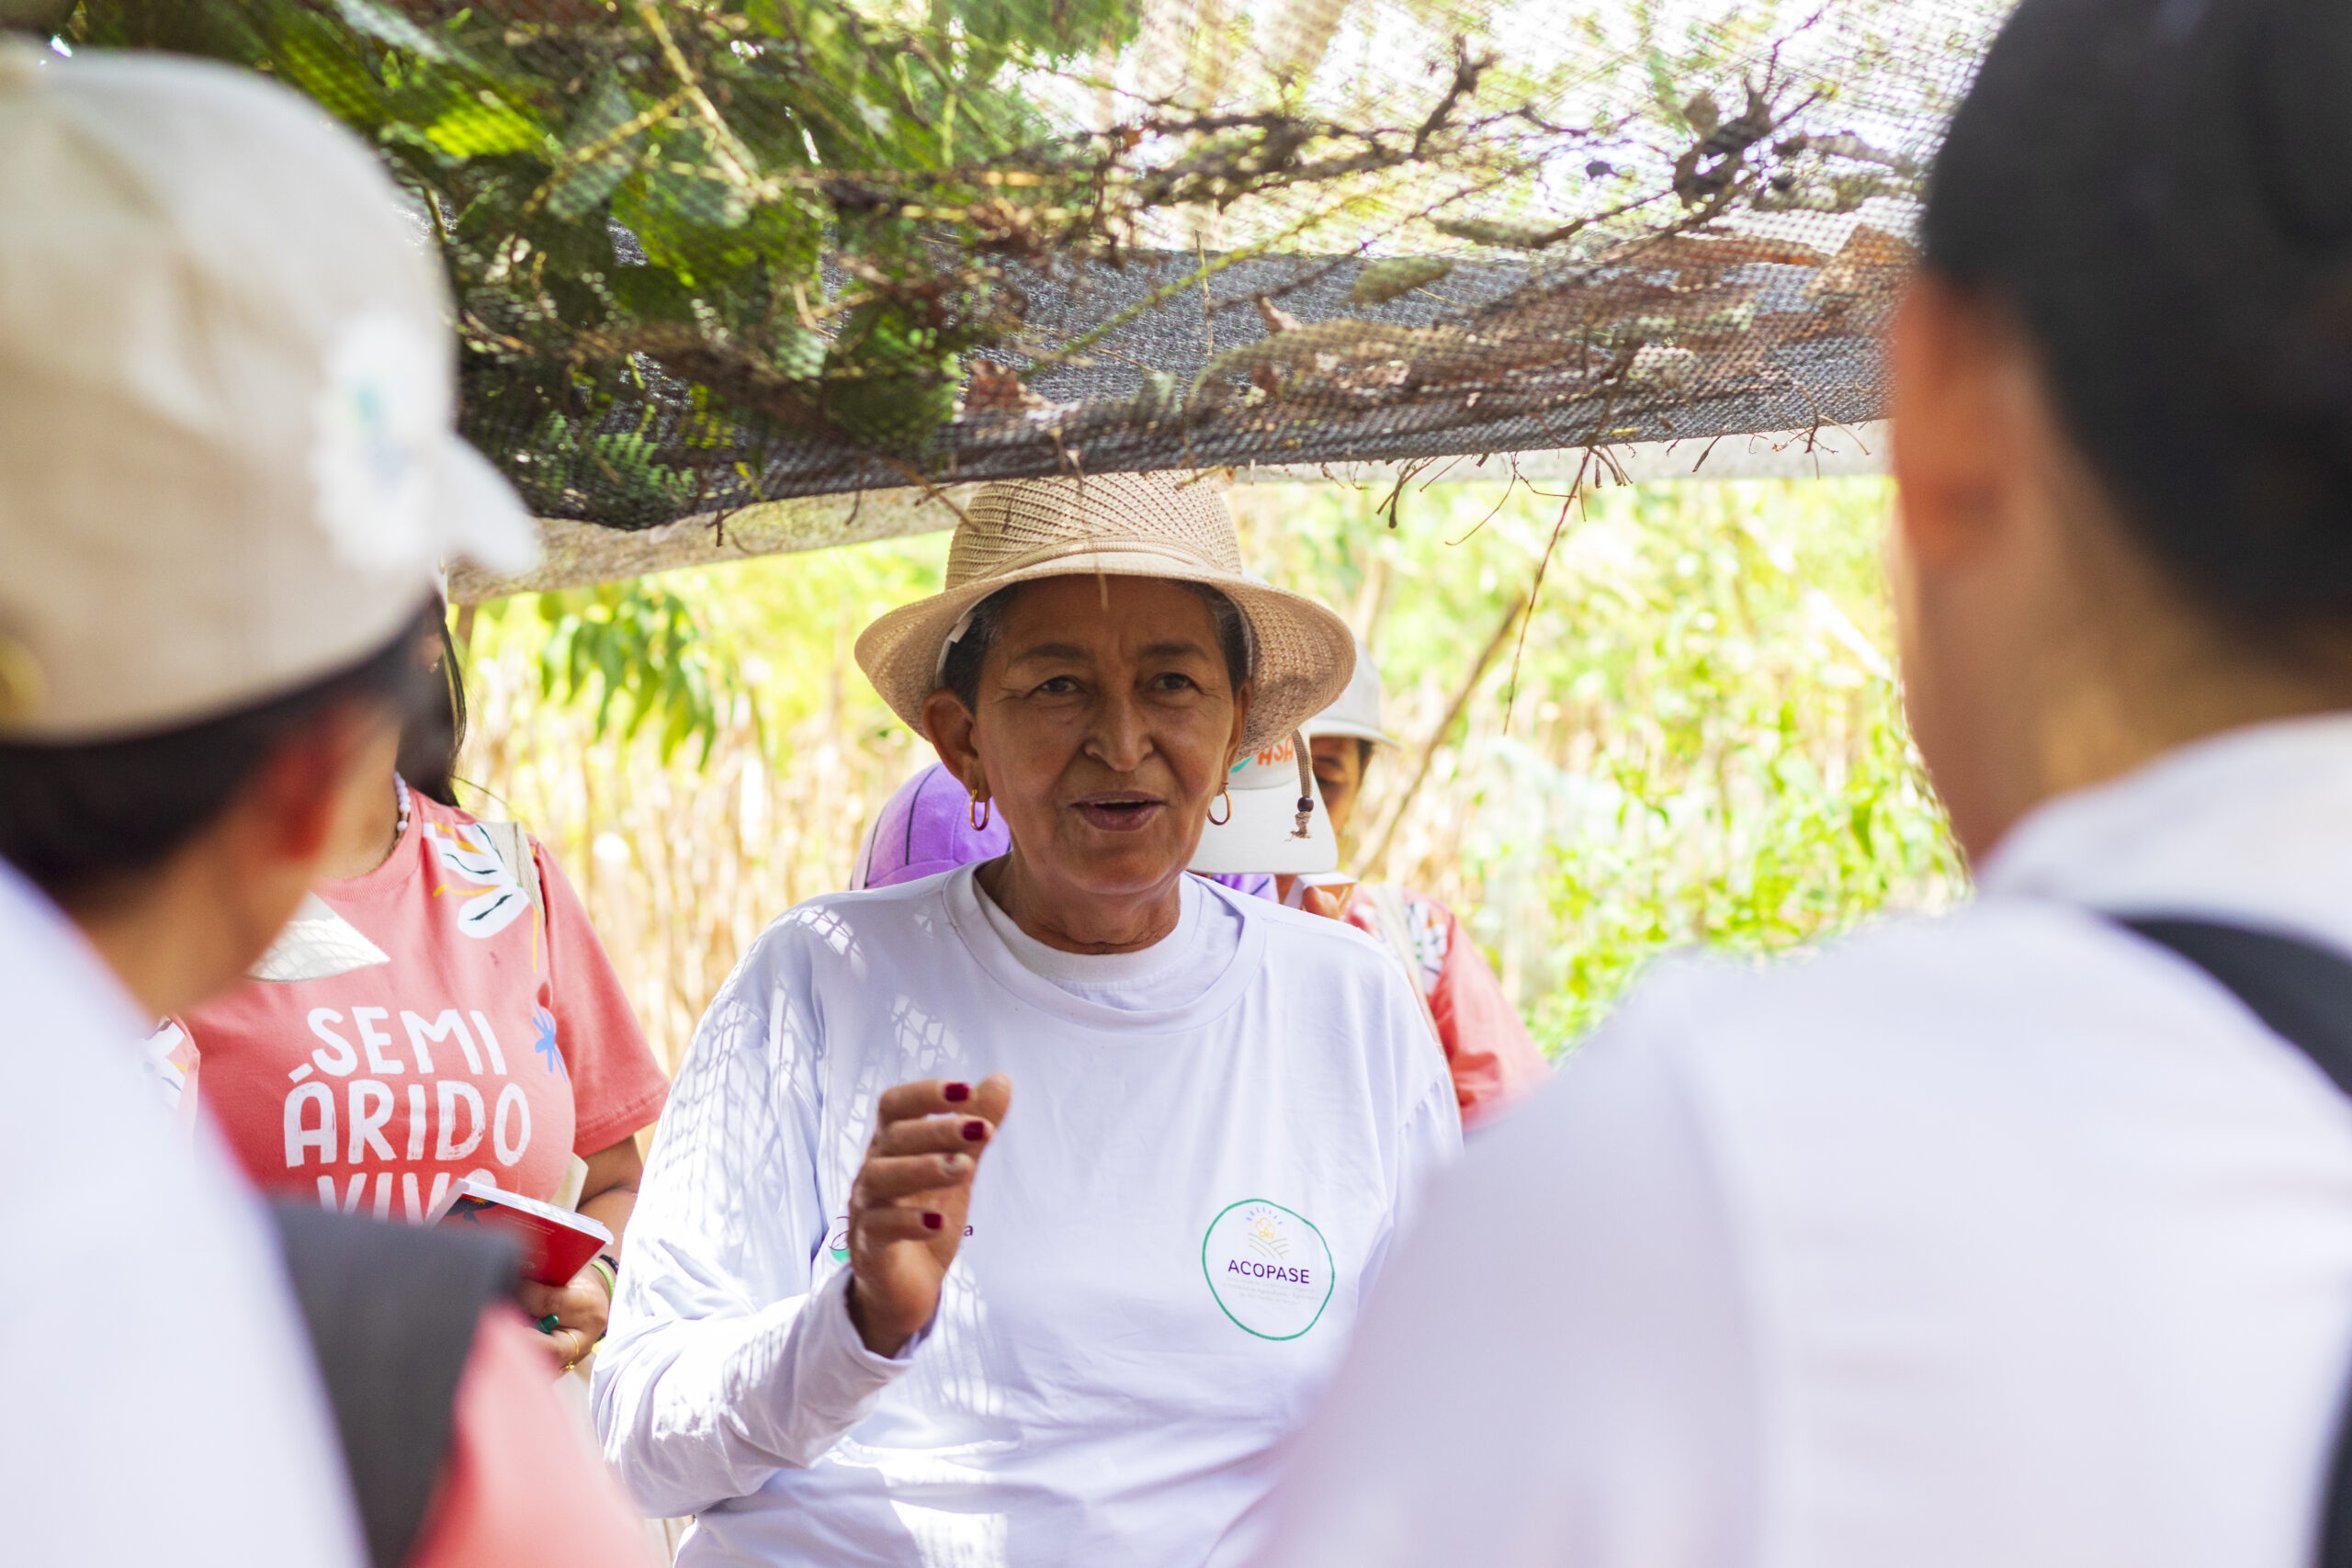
833, 1343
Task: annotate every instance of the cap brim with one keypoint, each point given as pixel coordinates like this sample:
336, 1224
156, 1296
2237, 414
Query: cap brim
1258, 837
480, 516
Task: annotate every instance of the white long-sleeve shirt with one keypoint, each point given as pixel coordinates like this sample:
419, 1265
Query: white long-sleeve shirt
160, 1401
2001, 1238
1168, 1237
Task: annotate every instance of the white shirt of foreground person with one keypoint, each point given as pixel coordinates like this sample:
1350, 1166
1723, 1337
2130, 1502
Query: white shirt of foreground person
1211, 1143
2005, 1238
160, 1405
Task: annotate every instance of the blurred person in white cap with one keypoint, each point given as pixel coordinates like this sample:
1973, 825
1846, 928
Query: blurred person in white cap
870, 1319
1487, 1046
228, 470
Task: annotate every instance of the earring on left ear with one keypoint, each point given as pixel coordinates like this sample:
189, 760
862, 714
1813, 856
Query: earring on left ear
1226, 796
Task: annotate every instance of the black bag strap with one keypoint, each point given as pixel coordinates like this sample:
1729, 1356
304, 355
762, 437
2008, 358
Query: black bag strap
391, 1312
2304, 992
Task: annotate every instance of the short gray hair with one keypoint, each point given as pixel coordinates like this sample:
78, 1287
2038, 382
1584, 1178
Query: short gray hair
960, 662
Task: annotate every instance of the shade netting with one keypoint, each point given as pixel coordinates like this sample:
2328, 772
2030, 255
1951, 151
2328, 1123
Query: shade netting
711, 252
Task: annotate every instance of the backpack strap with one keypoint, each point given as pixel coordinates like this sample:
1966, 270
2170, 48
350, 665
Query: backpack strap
391, 1311
2304, 991
513, 846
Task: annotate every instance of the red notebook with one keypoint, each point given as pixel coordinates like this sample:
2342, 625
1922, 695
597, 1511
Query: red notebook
556, 1243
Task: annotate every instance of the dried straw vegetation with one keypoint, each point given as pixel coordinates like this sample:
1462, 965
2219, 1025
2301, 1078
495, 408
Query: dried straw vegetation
682, 863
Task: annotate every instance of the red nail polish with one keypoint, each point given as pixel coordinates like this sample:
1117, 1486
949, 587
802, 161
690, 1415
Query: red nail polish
931, 1221
975, 1130
957, 1091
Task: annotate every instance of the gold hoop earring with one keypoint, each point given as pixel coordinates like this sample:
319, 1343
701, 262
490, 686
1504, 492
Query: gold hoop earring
1227, 796
980, 814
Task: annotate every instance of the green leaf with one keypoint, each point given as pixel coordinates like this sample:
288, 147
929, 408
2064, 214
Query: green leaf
1385, 280
386, 25
315, 59
485, 125
890, 382
799, 353
1505, 236
681, 221
654, 293
595, 167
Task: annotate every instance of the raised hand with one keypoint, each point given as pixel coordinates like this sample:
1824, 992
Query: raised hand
907, 1207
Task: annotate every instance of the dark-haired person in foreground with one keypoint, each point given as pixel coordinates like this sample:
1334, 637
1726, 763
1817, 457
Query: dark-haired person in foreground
456, 1018
2011, 1238
227, 470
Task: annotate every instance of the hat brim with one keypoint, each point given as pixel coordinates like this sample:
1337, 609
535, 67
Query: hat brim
1306, 653
1317, 729
480, 516
1259, 836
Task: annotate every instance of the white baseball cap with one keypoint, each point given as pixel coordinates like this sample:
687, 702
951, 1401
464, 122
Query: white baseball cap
1357, 713
1261, 833
228, 464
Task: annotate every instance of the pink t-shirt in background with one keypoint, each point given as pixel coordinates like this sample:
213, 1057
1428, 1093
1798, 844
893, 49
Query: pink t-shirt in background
496, 1042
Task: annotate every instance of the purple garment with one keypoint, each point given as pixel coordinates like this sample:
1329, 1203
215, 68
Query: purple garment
926, 828
923, 830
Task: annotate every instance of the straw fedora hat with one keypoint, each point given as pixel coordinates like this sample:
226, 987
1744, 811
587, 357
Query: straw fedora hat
1114, 525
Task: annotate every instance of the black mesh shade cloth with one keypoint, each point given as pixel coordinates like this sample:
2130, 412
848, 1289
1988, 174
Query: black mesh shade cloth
1688, 336
707, 254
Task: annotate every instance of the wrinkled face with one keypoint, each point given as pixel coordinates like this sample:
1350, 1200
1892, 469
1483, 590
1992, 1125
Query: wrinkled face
1105, 725
1338, 776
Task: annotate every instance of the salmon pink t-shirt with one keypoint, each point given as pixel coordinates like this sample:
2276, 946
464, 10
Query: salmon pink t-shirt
496, 1042
522, 1484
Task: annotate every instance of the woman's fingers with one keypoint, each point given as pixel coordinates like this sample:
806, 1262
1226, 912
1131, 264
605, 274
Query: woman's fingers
880, 1227
1330, 906
930, 1097
914, 1188
992, 1098
580, 1311
946, 1097
884, 1179
933, 1135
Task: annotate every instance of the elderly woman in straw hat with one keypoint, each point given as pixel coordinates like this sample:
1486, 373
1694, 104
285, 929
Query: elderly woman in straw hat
875, 1315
